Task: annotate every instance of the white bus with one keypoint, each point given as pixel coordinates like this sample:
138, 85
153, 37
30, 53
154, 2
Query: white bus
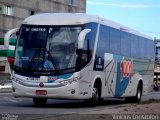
79, 56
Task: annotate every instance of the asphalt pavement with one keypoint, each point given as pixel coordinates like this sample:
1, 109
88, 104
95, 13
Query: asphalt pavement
59, 109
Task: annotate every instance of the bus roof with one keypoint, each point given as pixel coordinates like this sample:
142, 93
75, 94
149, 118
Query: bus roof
60, 19
75, 19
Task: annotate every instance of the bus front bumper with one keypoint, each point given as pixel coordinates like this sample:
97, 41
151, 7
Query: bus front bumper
70, 91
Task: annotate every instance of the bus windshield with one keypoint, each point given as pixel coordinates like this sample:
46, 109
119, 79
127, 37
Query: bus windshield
46, 48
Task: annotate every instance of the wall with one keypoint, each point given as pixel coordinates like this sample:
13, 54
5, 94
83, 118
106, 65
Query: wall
22, 9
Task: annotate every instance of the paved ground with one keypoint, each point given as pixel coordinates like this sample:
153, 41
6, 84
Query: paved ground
9, 104
71, 110
24, 109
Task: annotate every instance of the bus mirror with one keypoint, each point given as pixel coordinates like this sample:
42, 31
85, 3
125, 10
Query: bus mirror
81, 37
17, 33
8, 35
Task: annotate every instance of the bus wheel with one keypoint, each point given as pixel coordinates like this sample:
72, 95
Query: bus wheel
40, 102
93, 101
137, 98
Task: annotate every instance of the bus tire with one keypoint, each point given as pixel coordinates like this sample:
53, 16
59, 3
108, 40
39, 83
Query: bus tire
95, 96
40, 102
137, 98
100, 100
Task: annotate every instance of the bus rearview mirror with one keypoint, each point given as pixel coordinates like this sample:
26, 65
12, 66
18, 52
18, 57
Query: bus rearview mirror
17, 33
81, 37
8, 35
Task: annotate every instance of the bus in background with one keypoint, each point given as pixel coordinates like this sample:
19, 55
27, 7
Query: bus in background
79, 56
6, 59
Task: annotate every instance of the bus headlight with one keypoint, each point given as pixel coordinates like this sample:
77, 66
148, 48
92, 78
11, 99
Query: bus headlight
69, 81
17, 80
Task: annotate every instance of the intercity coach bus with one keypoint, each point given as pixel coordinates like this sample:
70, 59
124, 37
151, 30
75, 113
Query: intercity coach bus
79, 56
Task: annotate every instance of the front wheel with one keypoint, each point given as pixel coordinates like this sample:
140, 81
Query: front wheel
95, 96
39, 102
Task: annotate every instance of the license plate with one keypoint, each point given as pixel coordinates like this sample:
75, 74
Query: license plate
33, 79
41, 92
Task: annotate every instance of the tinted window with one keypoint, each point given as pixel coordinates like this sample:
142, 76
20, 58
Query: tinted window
142, 49
134, 46
115, 41
146, 48
150, 49
102, 47
103, 41
125, 44
92, 35
85, 55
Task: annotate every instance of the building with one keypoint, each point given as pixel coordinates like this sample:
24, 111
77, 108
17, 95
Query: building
157, 57
13, 12
157, 65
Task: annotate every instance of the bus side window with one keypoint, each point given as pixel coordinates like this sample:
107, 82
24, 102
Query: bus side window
135, 50
114, 41
84, 55
125, 44
102, 47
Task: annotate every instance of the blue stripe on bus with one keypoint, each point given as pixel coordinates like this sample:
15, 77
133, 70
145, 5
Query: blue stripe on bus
121, 85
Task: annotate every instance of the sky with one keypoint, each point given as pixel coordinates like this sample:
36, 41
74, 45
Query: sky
141, 15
